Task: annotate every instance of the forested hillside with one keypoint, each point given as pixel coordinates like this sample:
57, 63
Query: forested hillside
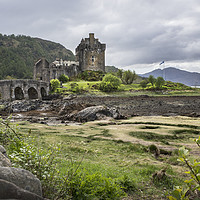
18, 54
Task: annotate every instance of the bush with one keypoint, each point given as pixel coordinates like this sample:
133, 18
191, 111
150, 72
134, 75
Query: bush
151, 80
55, 83
159, 82
193, 184
128, 77
144, 83
110, 83
75, 88
91, 75
63, 78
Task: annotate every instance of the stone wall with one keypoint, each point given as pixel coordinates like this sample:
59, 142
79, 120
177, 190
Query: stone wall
23, 89
45, 71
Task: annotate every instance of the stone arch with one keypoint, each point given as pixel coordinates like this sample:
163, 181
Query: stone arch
19, 94
43, 92
32, 93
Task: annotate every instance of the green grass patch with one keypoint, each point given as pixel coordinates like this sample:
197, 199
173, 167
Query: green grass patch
185, 132
161, 124
150, 127
154, 136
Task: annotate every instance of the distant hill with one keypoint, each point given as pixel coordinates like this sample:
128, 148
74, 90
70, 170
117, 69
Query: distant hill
176, 75
18, 54
110, 69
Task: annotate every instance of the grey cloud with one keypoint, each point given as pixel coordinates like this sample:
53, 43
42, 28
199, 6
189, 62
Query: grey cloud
135, 31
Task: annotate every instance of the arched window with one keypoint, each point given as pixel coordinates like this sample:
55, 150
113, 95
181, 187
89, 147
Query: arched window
43, 92
32, 93
19, 95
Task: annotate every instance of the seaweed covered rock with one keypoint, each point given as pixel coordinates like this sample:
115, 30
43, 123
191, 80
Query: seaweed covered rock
95, 113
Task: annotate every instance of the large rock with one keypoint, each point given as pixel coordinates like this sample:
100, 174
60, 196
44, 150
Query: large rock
22, 179
94, 113
10, 191
4, 161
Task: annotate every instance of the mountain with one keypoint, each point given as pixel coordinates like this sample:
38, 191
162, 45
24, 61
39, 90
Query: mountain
18, 54
176, 75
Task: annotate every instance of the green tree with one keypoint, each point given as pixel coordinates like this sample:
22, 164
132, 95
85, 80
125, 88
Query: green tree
63, 78
152, 80
128, 77
144, 83
55, 83
120, 73
110, 83
159, 82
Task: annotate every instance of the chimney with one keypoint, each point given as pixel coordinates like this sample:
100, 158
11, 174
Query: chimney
91, 37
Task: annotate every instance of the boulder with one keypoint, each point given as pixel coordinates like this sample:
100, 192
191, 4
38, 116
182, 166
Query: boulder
22, 179
3, 150
4, 161
95, 113
10, 191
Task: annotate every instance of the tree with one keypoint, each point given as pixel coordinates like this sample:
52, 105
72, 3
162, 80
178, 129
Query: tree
144, 83
159, 82
120, 73
152, 80
128, 77
63, 78
55, 83
110, 83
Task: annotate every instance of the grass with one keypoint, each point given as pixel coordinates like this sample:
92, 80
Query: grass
90, 87
112, 148
155, 137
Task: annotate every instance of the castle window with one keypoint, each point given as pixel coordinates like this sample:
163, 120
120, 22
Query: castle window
92, 58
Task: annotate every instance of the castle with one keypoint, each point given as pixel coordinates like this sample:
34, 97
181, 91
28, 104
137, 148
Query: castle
90, 55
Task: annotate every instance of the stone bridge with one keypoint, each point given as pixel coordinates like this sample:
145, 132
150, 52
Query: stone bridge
23, 89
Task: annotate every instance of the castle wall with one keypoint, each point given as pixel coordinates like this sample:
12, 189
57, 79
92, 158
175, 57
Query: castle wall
91, 54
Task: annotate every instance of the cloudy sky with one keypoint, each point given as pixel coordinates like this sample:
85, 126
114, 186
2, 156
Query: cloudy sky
139, 34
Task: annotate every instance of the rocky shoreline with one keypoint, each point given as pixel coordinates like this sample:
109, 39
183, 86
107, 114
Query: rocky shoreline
89, 108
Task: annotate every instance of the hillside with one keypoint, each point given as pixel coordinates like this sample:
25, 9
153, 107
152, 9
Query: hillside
18, 54
176, 75
110, 69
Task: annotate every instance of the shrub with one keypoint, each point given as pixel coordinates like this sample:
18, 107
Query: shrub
110, 83
128, 77
55, 83
144, 83
89, 75
63, 78
75, 88
151, 80
193, 184
159, 82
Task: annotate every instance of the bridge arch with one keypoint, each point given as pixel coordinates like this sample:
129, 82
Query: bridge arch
19, 94
32, 93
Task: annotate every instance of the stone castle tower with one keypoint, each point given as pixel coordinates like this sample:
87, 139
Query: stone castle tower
90, 54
